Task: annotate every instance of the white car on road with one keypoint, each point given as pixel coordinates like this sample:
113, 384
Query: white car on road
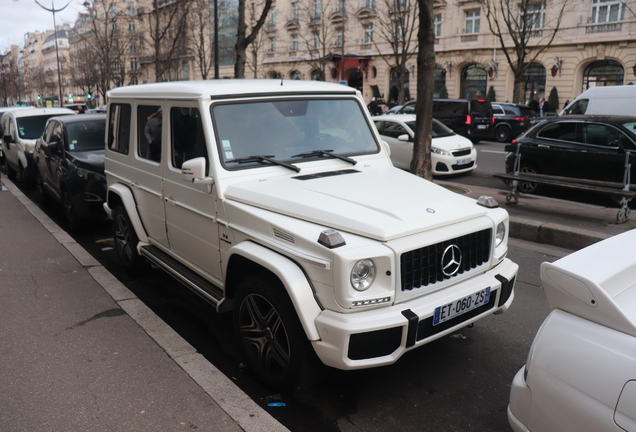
581, 370
450, 153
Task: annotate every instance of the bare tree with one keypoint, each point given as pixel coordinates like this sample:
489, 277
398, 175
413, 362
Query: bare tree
243, 40
167, 36
421, 161
322, 35
256, 47
398, 24
524, 30
201, 44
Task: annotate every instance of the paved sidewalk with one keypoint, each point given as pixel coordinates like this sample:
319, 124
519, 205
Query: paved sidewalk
79, 352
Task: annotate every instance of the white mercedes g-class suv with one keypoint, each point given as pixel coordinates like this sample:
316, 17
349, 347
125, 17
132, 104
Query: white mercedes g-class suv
278, 200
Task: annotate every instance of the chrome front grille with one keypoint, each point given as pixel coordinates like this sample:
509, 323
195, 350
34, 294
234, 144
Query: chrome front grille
423, 266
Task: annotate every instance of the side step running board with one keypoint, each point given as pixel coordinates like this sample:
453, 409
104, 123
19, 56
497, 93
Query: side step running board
183, 274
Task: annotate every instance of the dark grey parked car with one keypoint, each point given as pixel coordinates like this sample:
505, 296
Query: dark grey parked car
69, 158
511, 120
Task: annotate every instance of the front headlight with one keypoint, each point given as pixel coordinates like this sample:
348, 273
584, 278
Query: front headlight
363, 274
440, 151
501, 234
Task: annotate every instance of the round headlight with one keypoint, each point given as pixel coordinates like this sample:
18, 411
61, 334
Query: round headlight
501, 234
363, 274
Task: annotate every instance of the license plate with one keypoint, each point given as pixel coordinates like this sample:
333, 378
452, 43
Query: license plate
482, 126
461, 306
463, 161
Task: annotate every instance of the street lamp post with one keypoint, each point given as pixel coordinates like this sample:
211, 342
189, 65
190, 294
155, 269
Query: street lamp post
57, 53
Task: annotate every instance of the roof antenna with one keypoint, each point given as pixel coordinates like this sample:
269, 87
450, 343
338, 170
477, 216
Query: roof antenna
281, 79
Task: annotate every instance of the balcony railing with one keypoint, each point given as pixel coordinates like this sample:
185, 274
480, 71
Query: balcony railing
604, 28
470, 38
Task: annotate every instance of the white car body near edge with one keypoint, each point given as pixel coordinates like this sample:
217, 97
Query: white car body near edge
274, 217
581, 368
448, 153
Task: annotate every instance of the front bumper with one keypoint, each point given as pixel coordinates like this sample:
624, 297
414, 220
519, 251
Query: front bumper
381, 336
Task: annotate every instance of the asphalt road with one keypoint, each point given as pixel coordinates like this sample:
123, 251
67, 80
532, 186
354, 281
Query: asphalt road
457, 383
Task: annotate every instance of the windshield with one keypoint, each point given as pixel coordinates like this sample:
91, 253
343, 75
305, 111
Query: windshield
282, 129
32, 127
85, 136
439, 129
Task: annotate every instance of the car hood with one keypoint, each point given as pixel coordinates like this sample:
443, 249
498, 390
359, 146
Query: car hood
450, 143
383, 204
92, 159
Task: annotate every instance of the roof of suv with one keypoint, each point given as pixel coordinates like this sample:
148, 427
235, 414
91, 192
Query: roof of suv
32, 112
218, 89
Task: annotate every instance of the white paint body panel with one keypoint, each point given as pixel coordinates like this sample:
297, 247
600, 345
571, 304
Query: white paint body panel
581, 373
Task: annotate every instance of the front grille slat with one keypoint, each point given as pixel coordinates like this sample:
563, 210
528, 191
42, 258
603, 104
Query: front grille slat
423, 266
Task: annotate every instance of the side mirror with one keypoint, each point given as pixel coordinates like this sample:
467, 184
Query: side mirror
404, 138
193, 171
7, 139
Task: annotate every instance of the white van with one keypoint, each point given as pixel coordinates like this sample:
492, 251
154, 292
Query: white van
611, 100
20, 130
278, 200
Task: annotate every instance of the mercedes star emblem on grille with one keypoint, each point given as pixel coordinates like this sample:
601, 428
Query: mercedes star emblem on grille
451, 260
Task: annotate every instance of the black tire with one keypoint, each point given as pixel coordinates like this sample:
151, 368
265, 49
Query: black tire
41, 196
502, 134
270, 335
126, 241
11, 173
72, 221
524, 186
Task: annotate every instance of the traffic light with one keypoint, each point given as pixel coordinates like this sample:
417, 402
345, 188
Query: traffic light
88, 95
39, 97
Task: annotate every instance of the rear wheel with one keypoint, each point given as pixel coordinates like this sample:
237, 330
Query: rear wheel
270, 334
502, 134
525, 186
126, 241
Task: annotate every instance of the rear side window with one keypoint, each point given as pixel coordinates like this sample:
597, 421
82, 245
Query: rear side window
480, 108
602, 135
497, 110
408, 109
119, 128
450, 108
565, 131
149, 131
578, 107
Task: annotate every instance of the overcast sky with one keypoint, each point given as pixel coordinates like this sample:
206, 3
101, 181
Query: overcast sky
22, 16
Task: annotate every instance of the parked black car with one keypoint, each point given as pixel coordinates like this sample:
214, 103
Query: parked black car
69, 158
587, 147
511, 120
470, 118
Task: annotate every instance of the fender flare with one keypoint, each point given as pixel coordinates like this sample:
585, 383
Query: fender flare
293, 279
128, 200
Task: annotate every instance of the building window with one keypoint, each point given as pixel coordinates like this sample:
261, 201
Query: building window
294, 6
369, 4
294, 43
272, 17
534, 82
272, 44
186, 72
534, 16
341, 6
134, 81
133, 46
112, 9
133, 63
131, 26
440, 82
317, 75
603, 73
368, 34
437, 25
473, 84
399, 30
317, 10
607, 11
316, 39
339, 37
472, 21
296, 75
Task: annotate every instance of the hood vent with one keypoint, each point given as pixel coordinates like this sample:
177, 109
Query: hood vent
326, 174
284, 236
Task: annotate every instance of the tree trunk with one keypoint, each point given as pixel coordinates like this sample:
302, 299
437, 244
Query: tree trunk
421, 162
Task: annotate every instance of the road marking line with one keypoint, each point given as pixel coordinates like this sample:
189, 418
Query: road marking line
493, 151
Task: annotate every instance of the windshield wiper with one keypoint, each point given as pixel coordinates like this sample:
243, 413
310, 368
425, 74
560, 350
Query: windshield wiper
262, 159
326, 153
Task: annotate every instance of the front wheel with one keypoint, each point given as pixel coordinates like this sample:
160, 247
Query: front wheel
526, 186
72, 221
126, 241
270, 334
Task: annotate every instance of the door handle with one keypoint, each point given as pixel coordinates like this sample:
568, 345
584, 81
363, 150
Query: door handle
135, 185
170, 200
